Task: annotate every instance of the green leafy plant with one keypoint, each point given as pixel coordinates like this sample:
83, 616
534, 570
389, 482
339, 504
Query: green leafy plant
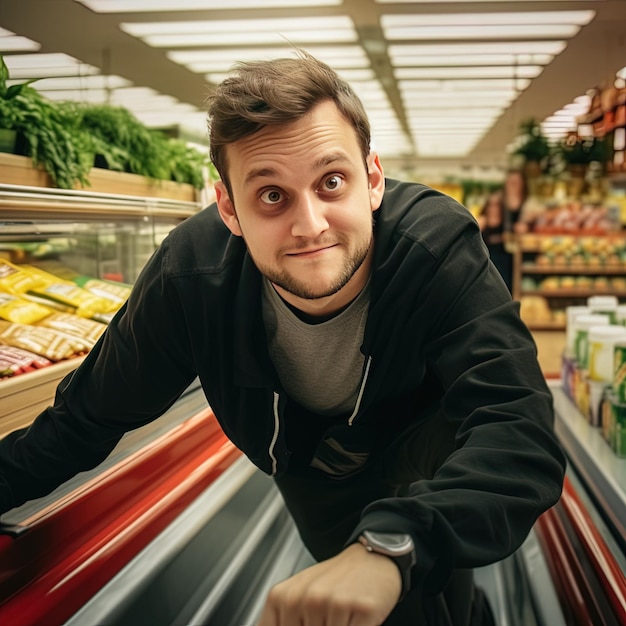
66, 137
50, 134
576, 150
8, 95
532, 144
127, 145
186, 164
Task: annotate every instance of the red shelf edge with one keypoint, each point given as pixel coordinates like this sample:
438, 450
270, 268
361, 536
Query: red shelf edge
73, 548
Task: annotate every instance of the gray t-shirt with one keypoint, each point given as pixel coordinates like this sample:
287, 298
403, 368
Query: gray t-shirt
319, 365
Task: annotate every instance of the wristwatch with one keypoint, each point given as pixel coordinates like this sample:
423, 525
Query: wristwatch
397, 546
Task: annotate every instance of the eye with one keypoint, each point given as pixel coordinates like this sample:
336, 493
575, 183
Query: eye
332, 183
271, 196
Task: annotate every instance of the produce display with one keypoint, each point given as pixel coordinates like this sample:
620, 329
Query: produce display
575, 217
557, 270
577, 252
45, 318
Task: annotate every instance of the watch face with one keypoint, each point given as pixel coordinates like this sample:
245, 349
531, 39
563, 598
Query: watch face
393, 544
397, 546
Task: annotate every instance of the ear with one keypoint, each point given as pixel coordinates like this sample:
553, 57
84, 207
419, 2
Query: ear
226, 209
376, 180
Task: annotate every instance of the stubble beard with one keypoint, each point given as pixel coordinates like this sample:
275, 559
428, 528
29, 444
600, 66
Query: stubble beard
300, 289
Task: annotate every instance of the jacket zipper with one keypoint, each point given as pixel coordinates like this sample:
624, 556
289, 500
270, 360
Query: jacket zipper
361, 390
275, 436
277, 419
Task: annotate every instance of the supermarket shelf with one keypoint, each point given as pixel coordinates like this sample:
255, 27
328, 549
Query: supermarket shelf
535, 242
24, 396
18, 202
572, 293
602, 471
18, 173
575, 270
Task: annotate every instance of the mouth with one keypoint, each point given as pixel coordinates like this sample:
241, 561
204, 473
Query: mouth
312, 252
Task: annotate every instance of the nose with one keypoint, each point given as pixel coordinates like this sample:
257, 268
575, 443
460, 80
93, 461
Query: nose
309, 217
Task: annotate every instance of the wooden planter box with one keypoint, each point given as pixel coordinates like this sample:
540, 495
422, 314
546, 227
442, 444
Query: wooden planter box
19, 170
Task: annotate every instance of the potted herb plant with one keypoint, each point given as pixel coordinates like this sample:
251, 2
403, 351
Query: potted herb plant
50, 136
533, 147
578, 152
8, 112
118, 140
69, 138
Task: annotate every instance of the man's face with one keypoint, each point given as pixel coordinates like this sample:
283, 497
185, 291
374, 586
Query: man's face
302, 199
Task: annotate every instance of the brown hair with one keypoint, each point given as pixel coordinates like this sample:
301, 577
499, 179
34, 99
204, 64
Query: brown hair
278, 91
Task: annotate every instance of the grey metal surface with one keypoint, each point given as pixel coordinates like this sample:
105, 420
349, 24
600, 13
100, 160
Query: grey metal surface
520, 590
212, 566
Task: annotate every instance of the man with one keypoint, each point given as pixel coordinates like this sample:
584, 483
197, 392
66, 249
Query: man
353, 340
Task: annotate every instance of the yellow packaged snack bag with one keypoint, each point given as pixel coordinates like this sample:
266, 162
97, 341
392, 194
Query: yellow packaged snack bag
15, 309
50, 304
88, 331
116, 292
68, 293
16, 278
43, 341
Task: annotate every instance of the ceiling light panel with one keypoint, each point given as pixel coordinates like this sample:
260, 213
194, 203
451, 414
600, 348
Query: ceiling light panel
505, 31
80, 82
439, 124
462, 86
404, 58
350, 75
485, 71
91, 96
155, 103
523, 48
249, 32
138, 6
208, 61
10, 42
192, 123
392, 145
42, 65
447, 103
457, 147
458, 113
462, 1
503, 18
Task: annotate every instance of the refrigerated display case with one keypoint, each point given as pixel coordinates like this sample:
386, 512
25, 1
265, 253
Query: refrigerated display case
584, 535
87, 233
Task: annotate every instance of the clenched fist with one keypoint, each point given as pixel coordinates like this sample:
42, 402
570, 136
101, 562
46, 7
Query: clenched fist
354, 588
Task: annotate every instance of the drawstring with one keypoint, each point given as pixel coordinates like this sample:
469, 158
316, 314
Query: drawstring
361, 390
275, 436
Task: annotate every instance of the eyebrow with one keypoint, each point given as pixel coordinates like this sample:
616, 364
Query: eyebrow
322, 162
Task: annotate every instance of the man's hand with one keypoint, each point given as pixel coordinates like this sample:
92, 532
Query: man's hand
354, 588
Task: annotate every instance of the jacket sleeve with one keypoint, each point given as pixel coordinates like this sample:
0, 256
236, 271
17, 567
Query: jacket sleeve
506, 466
129, 378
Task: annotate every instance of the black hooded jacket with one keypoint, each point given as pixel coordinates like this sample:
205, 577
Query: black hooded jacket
451, 438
